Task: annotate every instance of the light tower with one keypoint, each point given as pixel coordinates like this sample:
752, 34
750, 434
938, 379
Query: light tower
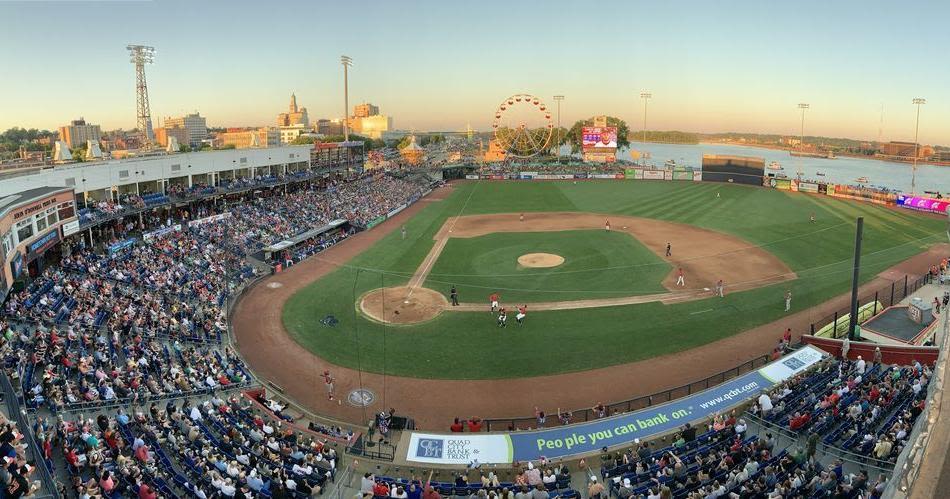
558, 99
801, 140
347, 62
140, 55
913, 179
645, 96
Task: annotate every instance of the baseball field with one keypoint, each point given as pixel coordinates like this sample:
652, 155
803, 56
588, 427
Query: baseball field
595, 297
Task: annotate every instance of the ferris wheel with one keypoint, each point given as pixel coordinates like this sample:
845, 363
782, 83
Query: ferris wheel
523, 126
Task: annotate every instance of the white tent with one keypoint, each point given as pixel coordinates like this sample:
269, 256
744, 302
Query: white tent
172, 146
92, 150
61, 152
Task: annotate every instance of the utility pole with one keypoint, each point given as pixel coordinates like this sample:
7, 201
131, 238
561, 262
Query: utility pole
913, 179
853, 322
558, 99
801, 139
347, 62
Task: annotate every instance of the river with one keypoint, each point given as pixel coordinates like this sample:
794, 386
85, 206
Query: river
843, 170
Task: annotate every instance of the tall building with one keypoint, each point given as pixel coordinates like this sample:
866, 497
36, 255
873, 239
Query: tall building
330, 127
373, 126
245, 138
194, 124
163, 133
906, 149
365, 109
294, 116
78, 132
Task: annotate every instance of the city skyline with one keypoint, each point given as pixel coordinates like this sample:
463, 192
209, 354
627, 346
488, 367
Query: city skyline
741, 67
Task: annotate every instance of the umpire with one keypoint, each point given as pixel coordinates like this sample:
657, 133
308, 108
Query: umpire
454, 294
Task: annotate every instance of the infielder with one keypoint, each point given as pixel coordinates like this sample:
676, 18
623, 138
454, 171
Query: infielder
503, 318
680, 280
521, 218
669, 250
493, 299
719, 287
607, 224
454, 294
522, 313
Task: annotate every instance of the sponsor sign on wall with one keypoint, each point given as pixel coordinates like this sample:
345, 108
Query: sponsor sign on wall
41, 244
207, 220
119, 246
148, 236
70, 228
808, 187
590, 437
653, 174
923, 204
471, 176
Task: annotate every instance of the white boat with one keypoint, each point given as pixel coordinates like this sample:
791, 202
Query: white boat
861, 180
670, 163
775, 166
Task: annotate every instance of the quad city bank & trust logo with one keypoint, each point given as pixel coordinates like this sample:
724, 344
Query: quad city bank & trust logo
439, 448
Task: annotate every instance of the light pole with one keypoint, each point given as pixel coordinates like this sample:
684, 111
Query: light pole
913, 179
558, 99
801, 139
347, 62
645, 96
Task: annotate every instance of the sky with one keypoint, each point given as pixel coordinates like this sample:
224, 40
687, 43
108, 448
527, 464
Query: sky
440, 65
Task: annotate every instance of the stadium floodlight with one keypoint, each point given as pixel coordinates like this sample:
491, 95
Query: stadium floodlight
558, 99
347, 62
913, 178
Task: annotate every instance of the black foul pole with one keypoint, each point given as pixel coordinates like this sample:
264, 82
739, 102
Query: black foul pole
852, 324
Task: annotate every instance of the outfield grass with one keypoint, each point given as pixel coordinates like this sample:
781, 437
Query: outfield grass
489, 263
468, 346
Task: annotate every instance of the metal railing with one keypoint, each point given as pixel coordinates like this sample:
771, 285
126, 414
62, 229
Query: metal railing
50, 487
581, 415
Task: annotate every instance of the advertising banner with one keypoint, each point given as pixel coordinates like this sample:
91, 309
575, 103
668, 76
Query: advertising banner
597, 137
529, 174
682, 175
923, 204
41, 244
395, 211
580, 175
782, 183
16, 265
608, 175
471, 176
459, 448
589, 437
208, 220
375, 222
653, 174
630, 173
148, 236
668, 175
807, 187
697, 176
497, 177
525, 176
70, 228
121, 245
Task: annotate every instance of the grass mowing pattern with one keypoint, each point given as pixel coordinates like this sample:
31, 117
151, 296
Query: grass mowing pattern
490, 263
469, 346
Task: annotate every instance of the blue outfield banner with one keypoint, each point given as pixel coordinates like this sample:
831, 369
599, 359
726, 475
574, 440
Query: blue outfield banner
590, 437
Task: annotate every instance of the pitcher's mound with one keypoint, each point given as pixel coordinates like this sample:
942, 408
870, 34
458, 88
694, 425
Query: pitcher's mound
540, 260
423, 304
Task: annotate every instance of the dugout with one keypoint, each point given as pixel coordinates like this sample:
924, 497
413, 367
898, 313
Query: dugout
310, 242
733, 169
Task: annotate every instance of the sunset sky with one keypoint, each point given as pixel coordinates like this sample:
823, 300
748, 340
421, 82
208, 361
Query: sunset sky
711, 66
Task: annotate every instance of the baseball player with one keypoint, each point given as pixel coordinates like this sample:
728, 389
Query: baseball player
493, 299
502, 318
522, 313
521, 218
607, 224
719, 287
403, 232
669, 250
788, 300
812, 218
328, 384
454, 294
680, 279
